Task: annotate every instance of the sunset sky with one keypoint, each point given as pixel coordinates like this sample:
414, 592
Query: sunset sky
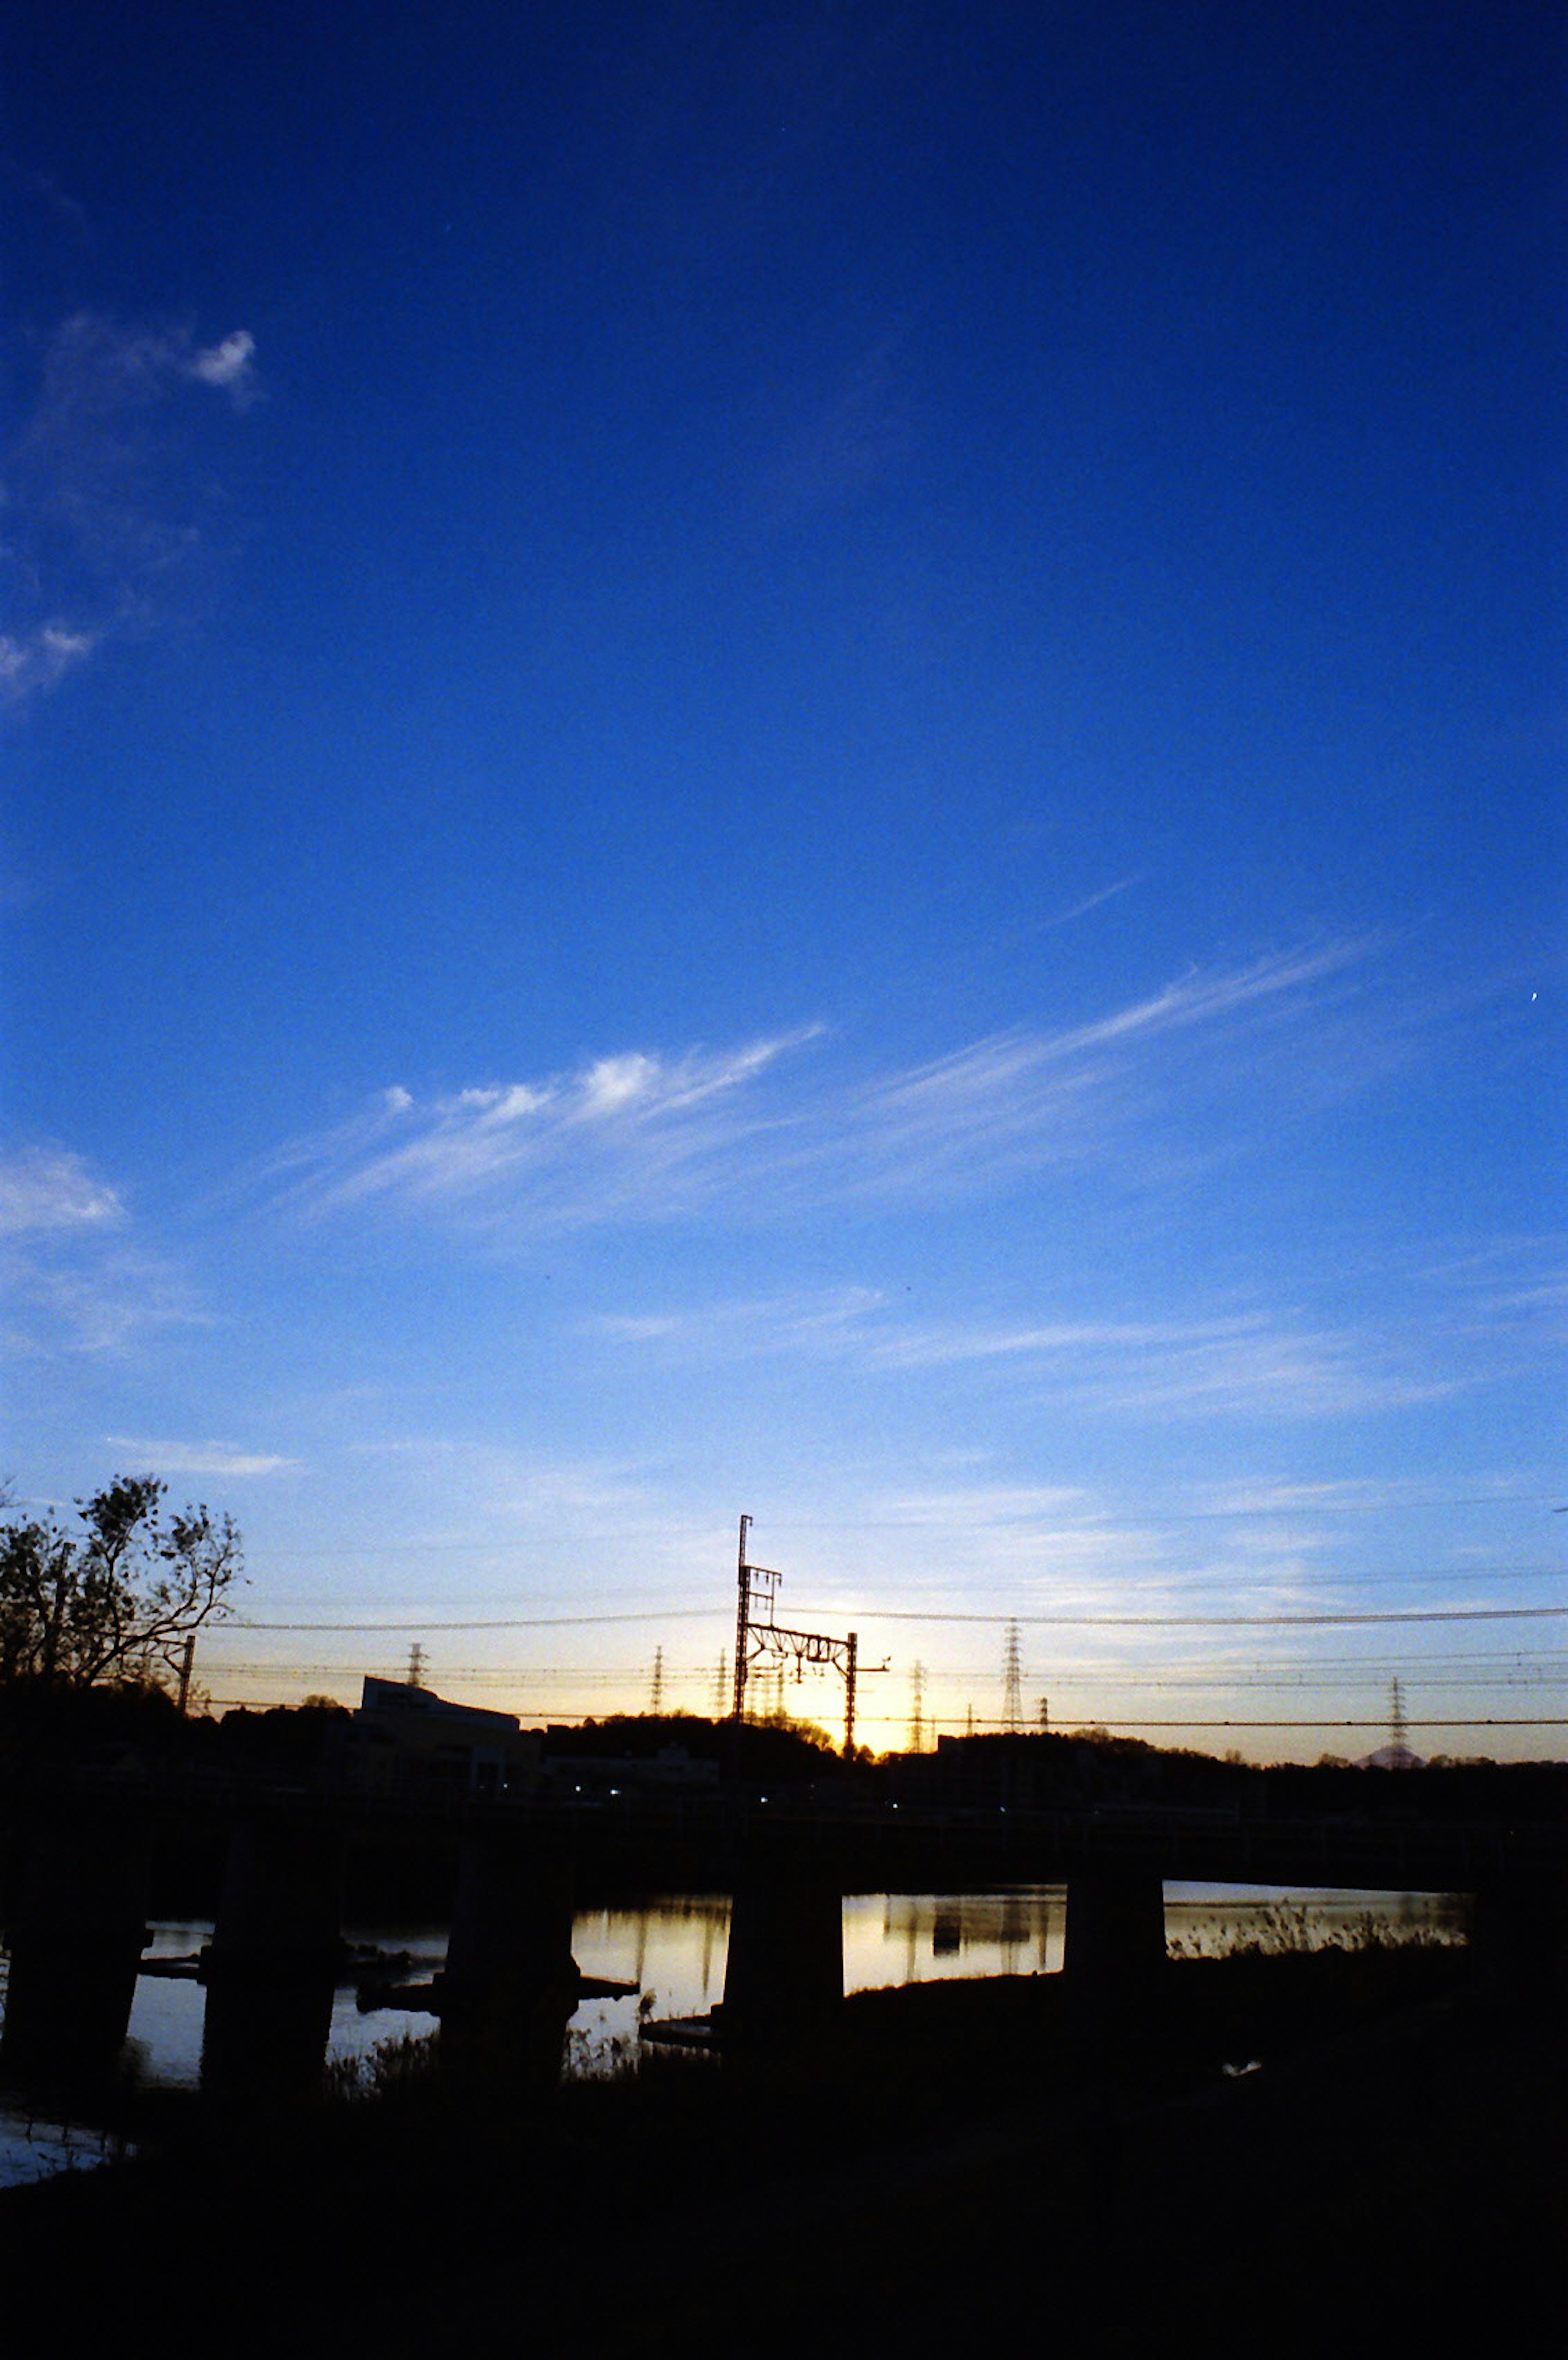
800, 758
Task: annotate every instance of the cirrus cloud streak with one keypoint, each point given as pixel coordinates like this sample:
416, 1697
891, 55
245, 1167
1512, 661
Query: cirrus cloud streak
637, 1136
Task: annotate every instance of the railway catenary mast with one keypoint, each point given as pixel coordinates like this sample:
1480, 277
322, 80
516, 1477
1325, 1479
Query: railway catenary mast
758, 1634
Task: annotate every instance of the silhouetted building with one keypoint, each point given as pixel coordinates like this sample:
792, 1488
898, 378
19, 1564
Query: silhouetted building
408, 1740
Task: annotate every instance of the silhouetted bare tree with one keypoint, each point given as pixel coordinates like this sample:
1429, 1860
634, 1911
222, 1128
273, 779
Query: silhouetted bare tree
117, 1600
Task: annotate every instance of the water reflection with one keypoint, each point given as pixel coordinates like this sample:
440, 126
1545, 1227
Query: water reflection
673, 1949
911, 1938
168, 2016
1205, 1920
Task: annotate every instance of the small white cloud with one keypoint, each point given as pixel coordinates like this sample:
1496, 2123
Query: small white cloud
512, 1104
626, 1328
614, 1082
230, 364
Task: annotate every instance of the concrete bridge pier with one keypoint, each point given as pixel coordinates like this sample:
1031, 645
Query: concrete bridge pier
1518, 1938
272, 1966
510, 1983
76, 1929
784, 1978
1115, 1949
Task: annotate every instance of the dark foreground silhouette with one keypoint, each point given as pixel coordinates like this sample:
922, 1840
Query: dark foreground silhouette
1387, 2154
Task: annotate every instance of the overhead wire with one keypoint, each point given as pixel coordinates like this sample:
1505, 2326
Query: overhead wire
1087, 1522
1322, 1621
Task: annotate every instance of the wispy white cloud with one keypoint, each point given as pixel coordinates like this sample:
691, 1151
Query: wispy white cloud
965, 1506
637, 1136
40, 656
1262, 1369
1510, 1286
72, 1277
943, 1347
1267, 1496
520, 1525
101, 498
1014, 1544
828, 1319
1091, 901
630, 1136
1030, 1099
102, 1302
859, 435
198, 1458
1250, 1365
50, 1188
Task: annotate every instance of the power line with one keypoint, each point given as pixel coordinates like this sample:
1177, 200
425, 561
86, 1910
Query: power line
509, 1623
980, 1725
1527, 1720
1358, 1676
1216, 1515
1216, 1622
1090, 1522
1349, 1578
908, 1614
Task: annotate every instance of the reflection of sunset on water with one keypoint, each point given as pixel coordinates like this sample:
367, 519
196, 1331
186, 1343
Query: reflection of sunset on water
674, 1949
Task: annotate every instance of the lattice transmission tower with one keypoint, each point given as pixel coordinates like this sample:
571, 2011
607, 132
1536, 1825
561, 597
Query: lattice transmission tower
1012, 1681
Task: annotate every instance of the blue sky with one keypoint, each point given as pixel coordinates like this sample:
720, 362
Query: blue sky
800, 760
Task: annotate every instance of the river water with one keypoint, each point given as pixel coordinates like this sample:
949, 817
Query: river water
673, 1950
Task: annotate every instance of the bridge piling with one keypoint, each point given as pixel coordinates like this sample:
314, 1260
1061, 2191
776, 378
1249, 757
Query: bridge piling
784, 1978
1518, 1938
272, 1964
76, 1929
1114, 1947
510, 1983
